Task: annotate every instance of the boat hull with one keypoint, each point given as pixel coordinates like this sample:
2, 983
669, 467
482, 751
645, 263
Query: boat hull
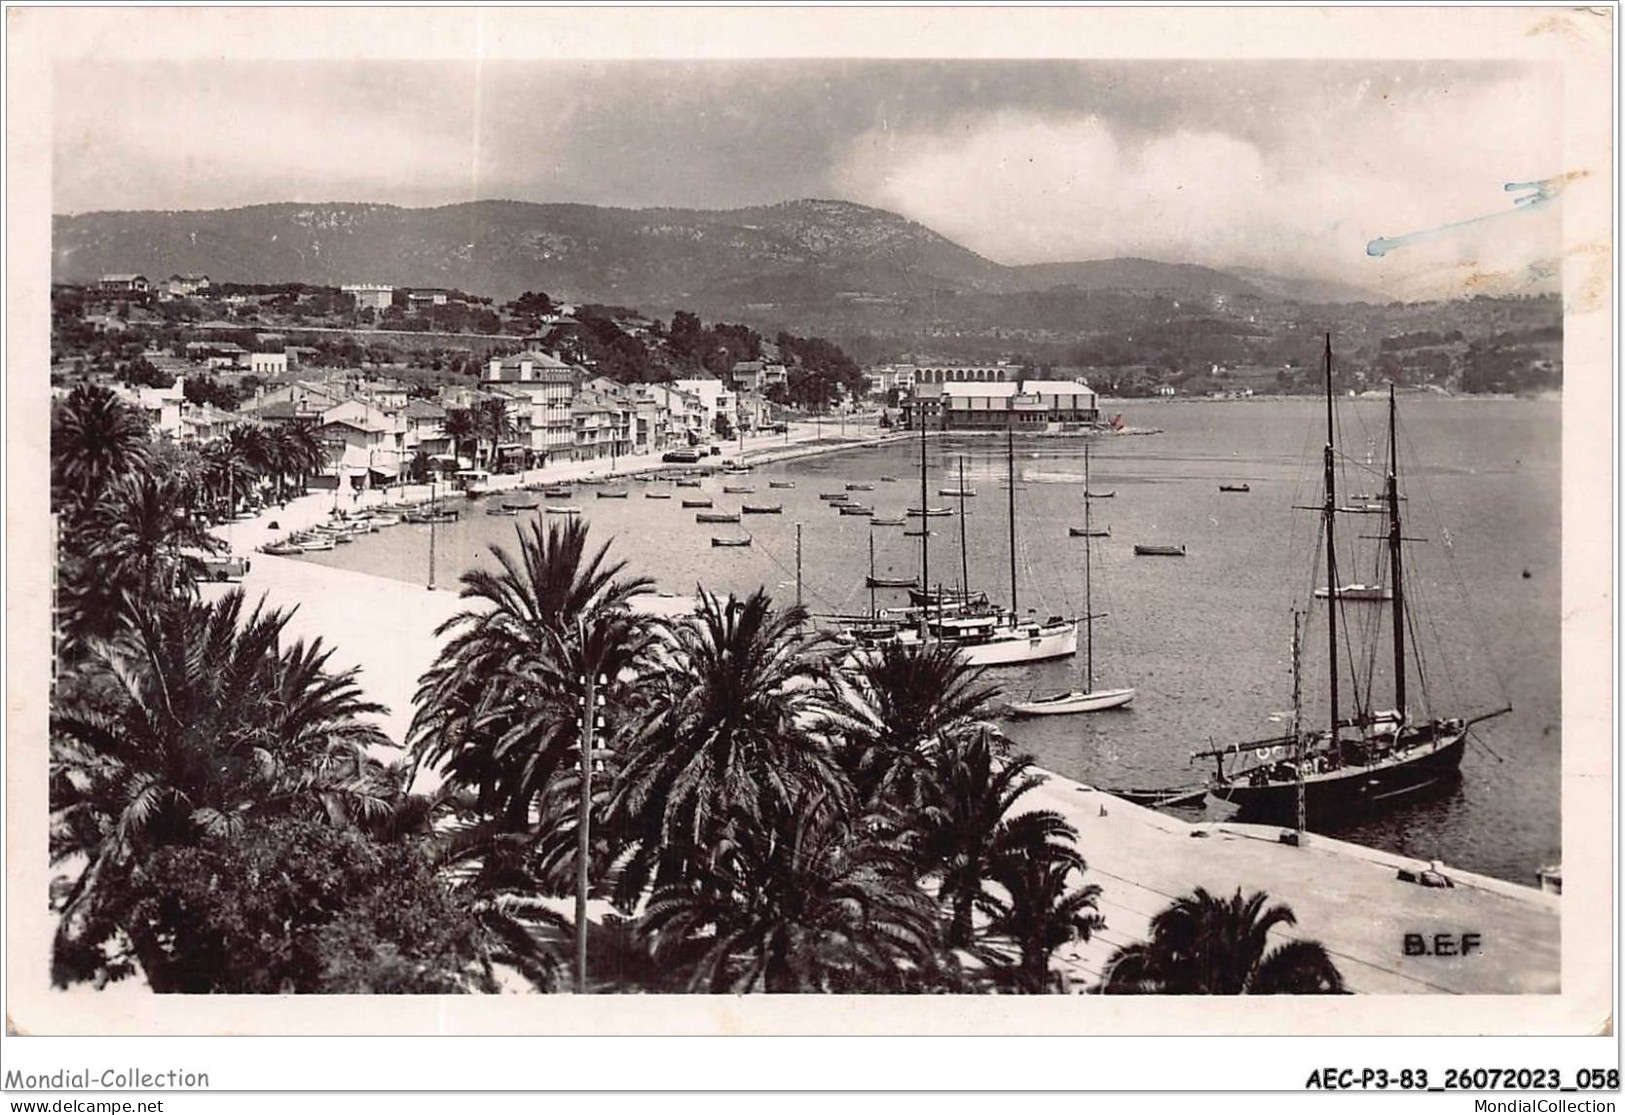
1027, 643
1097, 701
1352, 791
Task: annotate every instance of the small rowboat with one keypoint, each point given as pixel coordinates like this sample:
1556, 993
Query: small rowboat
833, 497
559, 491
915, 533
889, 582
730, 542
887, 521
1234, 488
519, 504
499, 509
570, 509
956, 492
888, 479
697, 502
282, 549
1092, 532
1100, 495
1060, 704
656, 495
715, 517
738, 489
315, 543
1358, 592
781, 483
854, 509
931, 512
764, 509
860, 487
1159, 551
611, 495
688, 483
386, 520
735, 468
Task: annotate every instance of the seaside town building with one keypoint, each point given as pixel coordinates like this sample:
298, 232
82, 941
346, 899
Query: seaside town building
1030, 403
370, 296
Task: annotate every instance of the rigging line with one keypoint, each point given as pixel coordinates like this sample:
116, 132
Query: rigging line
806, 589
1456, 577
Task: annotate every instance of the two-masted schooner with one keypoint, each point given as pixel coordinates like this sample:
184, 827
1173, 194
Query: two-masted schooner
1359, 763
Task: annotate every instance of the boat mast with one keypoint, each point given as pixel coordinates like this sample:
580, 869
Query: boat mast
1297, 720
964, 566
871, 572
1088, 577
1010, 468
1395, 557
925, 524
1329, 515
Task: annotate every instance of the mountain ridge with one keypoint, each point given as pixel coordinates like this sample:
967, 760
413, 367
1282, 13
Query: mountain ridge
802, 250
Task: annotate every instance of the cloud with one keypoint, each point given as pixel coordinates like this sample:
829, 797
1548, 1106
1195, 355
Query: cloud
1306, 193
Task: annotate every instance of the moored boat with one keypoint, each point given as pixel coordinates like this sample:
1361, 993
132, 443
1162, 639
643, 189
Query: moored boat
1357, 591
873, 581
860, 487
887, 521
958, 493
763, 509
617, 494
781, 483
738, 489
1235, 488
730, 541
1073, 701
1089, 532
930, 512
688, 483
715, 517
282, 549
656, 495
855, 509
705, 502
1369, 761
1159, 551
565, 509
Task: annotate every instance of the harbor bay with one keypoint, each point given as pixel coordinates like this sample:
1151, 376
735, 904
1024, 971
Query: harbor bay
1204, 638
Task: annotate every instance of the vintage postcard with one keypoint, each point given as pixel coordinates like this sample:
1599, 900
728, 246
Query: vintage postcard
809, 521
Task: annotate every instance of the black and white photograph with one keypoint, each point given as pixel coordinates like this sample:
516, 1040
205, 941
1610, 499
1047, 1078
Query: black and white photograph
1124, 522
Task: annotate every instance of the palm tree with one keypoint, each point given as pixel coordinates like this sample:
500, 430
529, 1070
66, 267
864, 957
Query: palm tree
228, 474
963, 830
729, 737
95, 438
142, 538
177, 729
897, 708
1039, 910
803, 902
305, 453
462, 426
499, 706
1205, 945
494, 423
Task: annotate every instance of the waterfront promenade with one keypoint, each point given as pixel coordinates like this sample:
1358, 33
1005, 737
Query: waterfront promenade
1348, 897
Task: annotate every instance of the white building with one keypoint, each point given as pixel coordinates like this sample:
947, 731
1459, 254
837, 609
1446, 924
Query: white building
370, 296
551, 384
715, 398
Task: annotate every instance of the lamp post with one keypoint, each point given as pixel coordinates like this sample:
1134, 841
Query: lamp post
591, 722
432, 515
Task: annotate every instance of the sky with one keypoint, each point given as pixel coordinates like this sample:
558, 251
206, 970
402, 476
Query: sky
1290, 166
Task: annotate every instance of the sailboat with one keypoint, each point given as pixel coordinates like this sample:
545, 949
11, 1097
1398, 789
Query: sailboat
1087, 699
1365, 762
988, 637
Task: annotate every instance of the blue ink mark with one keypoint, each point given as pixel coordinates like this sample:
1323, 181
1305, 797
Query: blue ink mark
1541, 192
